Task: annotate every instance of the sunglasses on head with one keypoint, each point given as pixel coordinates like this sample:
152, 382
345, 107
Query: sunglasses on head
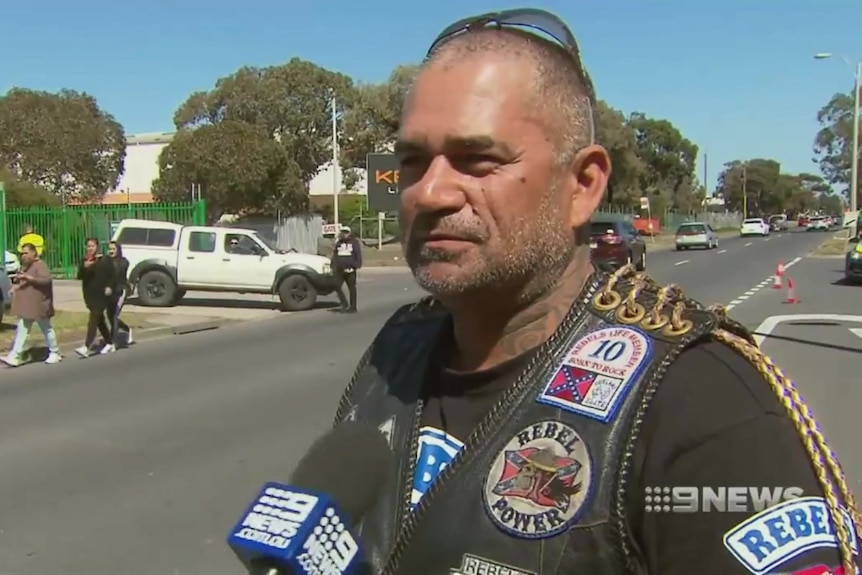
538, 22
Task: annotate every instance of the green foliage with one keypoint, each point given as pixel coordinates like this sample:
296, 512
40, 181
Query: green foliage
759, 188
62, 142
833, 144
21, 194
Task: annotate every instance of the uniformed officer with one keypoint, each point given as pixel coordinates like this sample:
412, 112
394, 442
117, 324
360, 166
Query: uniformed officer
548, 418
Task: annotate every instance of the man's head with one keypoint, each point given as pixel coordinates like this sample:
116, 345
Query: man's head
498, 167
28, 228
344, 232
234, 241
28, 254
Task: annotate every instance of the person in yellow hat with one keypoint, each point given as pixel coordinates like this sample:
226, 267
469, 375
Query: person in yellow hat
32, 238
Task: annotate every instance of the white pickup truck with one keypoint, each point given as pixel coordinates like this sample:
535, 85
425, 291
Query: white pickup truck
166, 259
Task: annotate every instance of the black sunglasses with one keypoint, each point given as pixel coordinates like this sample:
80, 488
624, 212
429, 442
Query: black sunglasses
534, 20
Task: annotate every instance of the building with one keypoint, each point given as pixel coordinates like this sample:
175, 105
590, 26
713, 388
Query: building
141, 167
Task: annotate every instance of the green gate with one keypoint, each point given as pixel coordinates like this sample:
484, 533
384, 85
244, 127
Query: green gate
67, 228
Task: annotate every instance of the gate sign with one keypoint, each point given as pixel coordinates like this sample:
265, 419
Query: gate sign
383, 170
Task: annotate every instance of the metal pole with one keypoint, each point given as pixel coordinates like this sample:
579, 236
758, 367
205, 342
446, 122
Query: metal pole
744, 193
335, 185
854, 167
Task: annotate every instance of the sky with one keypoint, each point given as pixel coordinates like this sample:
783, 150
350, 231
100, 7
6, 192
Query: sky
736, 77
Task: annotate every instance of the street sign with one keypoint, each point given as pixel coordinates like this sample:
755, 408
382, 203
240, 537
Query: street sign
383, 192
644, 203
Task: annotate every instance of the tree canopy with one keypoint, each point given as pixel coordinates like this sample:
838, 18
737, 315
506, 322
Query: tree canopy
257, 138
833, 144
62, 142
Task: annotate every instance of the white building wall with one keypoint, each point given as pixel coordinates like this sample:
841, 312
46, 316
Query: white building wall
141, 167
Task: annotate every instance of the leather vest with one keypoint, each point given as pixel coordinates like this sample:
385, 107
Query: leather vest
539, 486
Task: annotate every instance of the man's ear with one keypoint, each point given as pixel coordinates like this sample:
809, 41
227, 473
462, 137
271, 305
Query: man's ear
591, 170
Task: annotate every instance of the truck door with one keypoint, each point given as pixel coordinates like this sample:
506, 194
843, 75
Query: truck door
199, 260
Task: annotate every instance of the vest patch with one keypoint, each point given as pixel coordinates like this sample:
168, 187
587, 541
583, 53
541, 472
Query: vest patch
436, 450
540, 482
787, 530
598, 372
475, 565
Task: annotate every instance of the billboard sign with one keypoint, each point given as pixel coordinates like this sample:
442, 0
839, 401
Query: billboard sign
383, 192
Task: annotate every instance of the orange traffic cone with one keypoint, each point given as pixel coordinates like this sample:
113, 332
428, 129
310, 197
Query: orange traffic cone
779, 272
791, 292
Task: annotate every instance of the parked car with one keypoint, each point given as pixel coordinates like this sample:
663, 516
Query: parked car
754, 227
817, 224
696, 235
166, 259
11, 262
778, 223
853, 264
616, 243
802, 221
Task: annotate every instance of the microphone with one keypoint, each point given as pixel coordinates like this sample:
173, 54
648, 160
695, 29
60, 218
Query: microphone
304, 527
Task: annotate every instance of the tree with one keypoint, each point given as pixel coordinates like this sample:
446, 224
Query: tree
618, 138
290, 104
669, 161
62, 142
767, 190
371, 122
21, 194
236, 166
833, 144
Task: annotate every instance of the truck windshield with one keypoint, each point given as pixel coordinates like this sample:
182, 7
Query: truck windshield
271, 246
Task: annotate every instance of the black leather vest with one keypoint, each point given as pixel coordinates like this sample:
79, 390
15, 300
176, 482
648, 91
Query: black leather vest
539, 486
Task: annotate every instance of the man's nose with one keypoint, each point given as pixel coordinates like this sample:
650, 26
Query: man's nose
439, 190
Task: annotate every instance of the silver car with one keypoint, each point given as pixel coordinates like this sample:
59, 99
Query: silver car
696, 235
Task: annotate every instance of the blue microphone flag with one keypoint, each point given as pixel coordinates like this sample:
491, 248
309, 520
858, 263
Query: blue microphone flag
297, 531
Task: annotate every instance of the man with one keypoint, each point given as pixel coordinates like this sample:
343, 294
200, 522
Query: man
33, 301
32, 238
346, 259
533, 403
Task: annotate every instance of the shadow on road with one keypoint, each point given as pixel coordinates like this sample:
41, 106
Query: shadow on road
234, 303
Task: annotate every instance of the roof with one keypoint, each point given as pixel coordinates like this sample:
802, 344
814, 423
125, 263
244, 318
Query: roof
149, 138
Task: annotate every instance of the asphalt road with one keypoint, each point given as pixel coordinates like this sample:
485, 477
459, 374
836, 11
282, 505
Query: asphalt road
140, 461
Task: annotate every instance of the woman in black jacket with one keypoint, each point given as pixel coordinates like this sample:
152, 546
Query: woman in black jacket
121, 291
98, 278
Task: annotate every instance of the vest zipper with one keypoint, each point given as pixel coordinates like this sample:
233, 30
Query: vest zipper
491, 421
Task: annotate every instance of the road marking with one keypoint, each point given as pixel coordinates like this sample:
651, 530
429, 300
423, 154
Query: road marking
748, 244
721, 252
769, 324
768, 281
767, 239
856, 331
682, 262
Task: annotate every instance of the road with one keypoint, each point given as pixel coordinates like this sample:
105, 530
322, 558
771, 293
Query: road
139, 462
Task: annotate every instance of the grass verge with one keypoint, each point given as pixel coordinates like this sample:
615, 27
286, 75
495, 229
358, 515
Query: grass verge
831, 247
71, 326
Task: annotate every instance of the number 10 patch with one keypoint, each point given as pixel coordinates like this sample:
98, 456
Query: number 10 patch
598, 372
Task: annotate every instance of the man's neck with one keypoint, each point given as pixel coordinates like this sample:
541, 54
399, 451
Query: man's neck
488, 334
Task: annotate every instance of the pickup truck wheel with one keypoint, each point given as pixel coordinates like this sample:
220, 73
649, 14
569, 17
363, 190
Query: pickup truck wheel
156, 289
297, 293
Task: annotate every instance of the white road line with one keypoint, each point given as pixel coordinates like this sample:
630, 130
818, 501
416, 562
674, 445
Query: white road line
748, 244
767, 282
682, 262
721, 252
770, 323
856, 331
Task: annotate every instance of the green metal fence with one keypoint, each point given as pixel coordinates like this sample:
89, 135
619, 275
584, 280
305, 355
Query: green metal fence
66, 229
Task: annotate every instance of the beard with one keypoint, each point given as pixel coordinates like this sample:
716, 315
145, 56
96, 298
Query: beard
529, 254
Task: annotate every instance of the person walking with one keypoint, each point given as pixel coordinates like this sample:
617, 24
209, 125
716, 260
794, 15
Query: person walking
121, 290
33, 302
97, 275
346, 259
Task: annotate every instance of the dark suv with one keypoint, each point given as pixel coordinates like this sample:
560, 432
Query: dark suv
616, 243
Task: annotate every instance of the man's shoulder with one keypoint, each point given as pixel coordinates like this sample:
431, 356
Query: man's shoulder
426, 309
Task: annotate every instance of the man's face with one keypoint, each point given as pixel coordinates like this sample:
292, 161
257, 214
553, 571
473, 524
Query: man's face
483, 203
28, 255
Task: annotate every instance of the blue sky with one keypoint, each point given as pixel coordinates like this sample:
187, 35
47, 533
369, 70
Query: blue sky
737, 78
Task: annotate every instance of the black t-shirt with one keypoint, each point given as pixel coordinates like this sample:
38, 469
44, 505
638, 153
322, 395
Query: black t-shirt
713, 422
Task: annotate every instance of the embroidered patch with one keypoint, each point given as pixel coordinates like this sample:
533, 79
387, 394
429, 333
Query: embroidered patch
436, 450
820, 570
598, 372
787, 530
475, 565
386, 429
539, 483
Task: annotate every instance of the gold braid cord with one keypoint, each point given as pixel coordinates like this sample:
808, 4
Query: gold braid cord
667, 316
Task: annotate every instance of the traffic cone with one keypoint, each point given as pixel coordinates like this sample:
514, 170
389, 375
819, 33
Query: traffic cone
779, 273
791, 292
